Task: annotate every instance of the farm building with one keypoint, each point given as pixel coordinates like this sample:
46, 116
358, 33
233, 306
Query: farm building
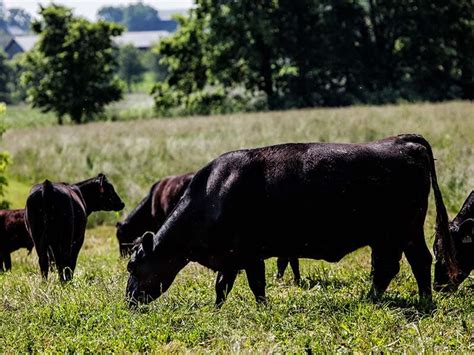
142, 40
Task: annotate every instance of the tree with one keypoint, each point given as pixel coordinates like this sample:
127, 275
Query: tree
5, 77
320, 53
72, 70
111, 14
4, 161
19, 18
136, 17
131, 68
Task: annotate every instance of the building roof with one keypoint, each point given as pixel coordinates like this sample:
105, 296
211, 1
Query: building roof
140, 40
26, 42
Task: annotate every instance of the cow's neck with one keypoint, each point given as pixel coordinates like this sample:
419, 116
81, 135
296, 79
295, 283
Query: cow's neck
88, 190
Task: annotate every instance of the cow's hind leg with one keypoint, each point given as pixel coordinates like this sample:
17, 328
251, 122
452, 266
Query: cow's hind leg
295, 266
385, 266
224, 282
419, 258
282, 263
255, 271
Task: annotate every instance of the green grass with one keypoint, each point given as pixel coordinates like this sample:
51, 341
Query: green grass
328, 314
134, 106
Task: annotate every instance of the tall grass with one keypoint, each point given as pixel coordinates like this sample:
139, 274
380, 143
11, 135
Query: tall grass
329, 313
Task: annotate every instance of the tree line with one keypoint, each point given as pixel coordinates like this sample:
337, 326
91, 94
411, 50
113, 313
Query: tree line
310, 53
254, 55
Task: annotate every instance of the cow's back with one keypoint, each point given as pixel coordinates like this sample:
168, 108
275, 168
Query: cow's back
55, 213
313, 200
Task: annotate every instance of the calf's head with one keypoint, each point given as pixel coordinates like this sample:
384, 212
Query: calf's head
152, 269
108, 199
463, 237
125, 236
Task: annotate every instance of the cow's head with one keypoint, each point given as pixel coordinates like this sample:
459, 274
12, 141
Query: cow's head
152, 269
108, 199
463, 237
125, 237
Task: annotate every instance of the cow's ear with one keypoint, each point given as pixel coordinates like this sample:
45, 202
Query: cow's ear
101, 177
466, 230
147, 242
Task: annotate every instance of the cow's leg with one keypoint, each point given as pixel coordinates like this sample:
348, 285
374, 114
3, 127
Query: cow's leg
8, 262
295, 266
224, 282
255, 271
385, 266
43, 261
419, 258
282, 263
2, 269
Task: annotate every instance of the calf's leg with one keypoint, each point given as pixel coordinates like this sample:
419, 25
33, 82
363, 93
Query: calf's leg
385, 266
255, 271
224, 282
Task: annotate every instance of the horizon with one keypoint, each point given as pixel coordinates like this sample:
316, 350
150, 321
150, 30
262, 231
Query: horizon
89, 8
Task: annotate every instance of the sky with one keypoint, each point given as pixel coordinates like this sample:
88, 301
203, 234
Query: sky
88, 8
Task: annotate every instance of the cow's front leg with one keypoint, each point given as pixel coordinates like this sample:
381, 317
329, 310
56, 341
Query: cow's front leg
224, 282
255, 271
8, 262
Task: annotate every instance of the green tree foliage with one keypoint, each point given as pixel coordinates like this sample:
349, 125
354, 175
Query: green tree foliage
72, 69
4, 161
319, 52
20, 19
131, 68
136, 17
5, 77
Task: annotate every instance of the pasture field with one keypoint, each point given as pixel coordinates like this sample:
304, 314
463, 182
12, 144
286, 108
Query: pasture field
328, 313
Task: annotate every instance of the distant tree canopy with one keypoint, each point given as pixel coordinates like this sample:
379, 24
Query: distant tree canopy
14, 19
5, 77
20, 19
131, 68
319, 52
136, 17
72, 70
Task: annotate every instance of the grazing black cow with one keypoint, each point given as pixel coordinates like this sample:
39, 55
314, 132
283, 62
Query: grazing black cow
152, 211
319, 200
462, 231
13, 236
56, 217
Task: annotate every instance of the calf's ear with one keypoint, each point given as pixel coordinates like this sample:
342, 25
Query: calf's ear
147, 242
466, 230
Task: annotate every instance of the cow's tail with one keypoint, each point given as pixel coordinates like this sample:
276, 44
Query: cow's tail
444, 244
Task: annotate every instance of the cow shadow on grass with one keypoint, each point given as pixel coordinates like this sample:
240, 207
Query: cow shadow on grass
410, 306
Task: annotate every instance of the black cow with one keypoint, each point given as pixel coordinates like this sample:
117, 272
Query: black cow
462, 231
152, 211
56, 217
13, 236
319, 200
